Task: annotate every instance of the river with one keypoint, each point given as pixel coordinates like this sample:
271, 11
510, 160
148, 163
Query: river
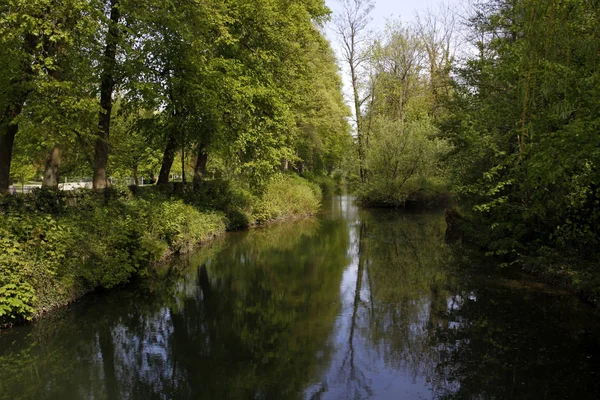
354, 304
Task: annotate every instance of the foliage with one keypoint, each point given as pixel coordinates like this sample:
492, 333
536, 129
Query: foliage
287, 196
402, 152
327, 184
524, 125
184, 76
55, 248
121, 87
401, 159
33, 251
49, 258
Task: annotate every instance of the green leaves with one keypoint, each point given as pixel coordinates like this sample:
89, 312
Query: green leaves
525, 127
16, 301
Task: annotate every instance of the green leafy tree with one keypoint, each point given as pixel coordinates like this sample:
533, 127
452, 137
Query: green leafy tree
524, 127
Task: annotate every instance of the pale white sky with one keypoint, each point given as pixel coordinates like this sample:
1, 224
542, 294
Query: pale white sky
384, 10
403, 9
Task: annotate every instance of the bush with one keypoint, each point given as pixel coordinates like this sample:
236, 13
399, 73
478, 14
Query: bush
33, 250
287, 196
51, 253
48, 259
221, 195
326, 184
180, 225
401, 162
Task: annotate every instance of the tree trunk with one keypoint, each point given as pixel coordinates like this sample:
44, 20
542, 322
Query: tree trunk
136, 178
8, 129
107, 86
183, 163
200, 169
167, 161
52, 169
359, 130
7, 139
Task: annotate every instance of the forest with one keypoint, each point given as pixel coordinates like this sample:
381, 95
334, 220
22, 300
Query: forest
193, 117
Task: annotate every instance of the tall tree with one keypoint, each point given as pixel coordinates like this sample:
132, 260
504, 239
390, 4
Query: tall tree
351, 27
402, 159
107, 87
19, 27
437, 33
43, 73
524, 126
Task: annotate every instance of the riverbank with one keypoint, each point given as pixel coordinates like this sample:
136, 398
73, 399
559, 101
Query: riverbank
575, 274
52, 252
563, 268
426, 194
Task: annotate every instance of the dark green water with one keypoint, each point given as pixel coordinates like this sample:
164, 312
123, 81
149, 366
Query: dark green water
352, 305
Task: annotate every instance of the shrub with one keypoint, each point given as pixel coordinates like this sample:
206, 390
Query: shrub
33, 249
51, 252
47, 259
325, 183
287, 196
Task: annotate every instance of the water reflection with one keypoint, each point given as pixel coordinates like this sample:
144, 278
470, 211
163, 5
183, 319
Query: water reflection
388, 292
249, 319
353, 305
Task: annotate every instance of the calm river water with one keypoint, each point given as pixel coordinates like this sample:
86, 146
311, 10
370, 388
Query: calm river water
354, 304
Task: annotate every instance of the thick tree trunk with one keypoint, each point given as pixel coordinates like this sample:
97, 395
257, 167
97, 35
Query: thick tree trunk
7, 139
106, 91
167, 161
200, 169
8, 129
52, 169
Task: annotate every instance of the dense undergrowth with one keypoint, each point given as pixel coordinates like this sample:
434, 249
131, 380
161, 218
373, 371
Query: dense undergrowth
52, 252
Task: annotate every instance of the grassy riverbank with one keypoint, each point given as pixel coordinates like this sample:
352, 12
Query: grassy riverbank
52, 253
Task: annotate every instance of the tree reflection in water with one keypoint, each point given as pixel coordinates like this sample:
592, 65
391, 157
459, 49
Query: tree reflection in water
387, 292
419, 320
353, 305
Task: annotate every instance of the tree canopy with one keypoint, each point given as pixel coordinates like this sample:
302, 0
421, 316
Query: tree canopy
122, 86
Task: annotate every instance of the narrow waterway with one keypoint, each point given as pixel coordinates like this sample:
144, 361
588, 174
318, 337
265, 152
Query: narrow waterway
354, 304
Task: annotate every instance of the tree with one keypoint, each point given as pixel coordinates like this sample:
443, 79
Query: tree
108, 65
133, 151
247, 83
44, 75
437, 34
351, 28
523, 123
18, 63
404, 156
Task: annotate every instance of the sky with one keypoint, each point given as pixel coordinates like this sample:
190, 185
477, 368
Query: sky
405, 10
384, 10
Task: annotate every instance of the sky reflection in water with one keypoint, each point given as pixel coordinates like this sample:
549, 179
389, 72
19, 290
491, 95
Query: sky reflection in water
355, 304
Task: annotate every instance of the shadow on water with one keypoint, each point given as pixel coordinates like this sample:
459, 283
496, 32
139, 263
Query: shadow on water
355, 304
